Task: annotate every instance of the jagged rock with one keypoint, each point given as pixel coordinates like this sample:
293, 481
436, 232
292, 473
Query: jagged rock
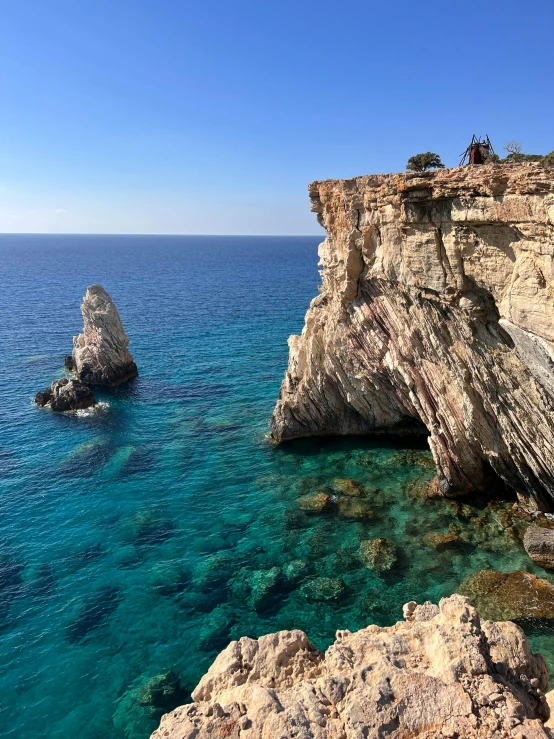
100, 353
436, 315
378, 554
539, 545
509, 595
68, 362
66, 395
444, 673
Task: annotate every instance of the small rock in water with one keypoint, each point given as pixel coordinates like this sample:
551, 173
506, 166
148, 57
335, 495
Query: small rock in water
440, 541
315, 503
378, 555
346, 486
264, 586
539, 545
323, 589
66, 395
295, 570
68, 362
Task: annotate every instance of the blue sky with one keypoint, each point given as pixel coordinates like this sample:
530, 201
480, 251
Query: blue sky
212, 117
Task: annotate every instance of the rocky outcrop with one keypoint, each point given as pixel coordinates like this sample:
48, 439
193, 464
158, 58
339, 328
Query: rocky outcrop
442, 673
539, 545
100, 354
436, 314
66, 395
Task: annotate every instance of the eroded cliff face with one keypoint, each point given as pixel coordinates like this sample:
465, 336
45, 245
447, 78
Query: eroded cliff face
436, 312
441, 673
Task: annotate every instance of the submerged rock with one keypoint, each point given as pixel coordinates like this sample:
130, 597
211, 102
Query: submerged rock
378, 555
539, 545
442, 674
323, 589
140, 706
169, 578
100, 354
147, 527
509, 596
436, 293
66, 395
355, 508
315, 503
94, 611
10, 583
440, 541
346, 486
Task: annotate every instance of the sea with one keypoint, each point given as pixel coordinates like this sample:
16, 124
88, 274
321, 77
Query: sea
139, 538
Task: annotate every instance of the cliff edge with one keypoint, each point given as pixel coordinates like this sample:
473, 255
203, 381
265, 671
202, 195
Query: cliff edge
441, 673
435, 315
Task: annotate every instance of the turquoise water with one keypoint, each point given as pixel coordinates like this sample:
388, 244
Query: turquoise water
141, 538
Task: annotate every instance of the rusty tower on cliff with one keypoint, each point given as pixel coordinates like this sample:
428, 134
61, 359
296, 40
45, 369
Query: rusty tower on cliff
478, 151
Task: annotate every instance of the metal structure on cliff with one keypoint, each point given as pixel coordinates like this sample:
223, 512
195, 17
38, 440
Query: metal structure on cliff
477, 152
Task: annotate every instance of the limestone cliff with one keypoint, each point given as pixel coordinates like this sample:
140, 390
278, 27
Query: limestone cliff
441, 673
100, 354
436, 312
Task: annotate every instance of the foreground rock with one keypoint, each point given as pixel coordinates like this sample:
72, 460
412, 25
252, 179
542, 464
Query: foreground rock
539, 545
516, 596
66, 395
436, 314
443, 673
100, 354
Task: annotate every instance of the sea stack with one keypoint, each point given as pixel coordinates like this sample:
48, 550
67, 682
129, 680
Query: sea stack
100, 354
436, 314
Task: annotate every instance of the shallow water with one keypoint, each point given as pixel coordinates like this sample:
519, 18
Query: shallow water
141, 538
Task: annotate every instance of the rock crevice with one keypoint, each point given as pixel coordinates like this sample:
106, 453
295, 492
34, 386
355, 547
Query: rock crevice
436, 311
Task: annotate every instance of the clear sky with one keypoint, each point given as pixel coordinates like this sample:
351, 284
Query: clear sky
173, 116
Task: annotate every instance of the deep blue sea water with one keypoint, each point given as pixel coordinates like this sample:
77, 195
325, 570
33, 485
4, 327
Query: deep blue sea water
143, 537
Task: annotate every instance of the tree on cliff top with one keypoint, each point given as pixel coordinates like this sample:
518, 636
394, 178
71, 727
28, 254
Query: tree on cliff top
421, 162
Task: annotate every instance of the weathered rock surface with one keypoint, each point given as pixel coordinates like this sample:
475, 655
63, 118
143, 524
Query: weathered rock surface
442, 673
100, 354
436, 313
66, 395
539, 545
514, 596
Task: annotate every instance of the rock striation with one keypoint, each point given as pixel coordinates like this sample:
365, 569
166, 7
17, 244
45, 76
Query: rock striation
435, 315
441, 673
66, 395
539, 545
100, 354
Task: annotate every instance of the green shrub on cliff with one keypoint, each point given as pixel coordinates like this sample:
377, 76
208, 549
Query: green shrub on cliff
421, 162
